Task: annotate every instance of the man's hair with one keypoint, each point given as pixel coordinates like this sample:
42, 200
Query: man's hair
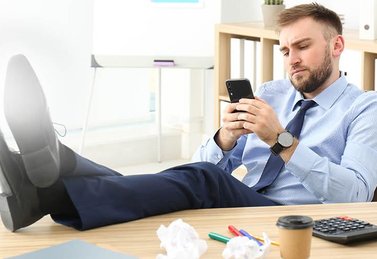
315, 11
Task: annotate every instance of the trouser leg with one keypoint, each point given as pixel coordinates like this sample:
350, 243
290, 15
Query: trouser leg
110, 198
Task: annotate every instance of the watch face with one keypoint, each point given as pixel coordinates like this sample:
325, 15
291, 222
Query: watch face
285, 139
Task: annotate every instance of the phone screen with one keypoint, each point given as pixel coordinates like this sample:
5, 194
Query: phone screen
239, 88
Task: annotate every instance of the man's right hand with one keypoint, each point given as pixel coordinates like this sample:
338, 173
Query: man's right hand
231, 129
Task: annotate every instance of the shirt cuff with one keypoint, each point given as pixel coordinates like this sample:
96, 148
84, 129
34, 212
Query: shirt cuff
215, 149
301, 162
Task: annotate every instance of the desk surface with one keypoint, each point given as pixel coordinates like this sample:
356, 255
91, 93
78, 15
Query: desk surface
139, 237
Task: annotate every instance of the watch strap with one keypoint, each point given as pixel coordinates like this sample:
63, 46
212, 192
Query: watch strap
276, 149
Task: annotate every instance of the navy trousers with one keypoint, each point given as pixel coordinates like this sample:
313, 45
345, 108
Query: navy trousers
102, 196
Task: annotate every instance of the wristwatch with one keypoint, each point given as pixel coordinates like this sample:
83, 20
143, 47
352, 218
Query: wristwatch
284, 141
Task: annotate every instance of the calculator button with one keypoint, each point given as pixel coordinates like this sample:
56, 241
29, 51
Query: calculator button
361, 226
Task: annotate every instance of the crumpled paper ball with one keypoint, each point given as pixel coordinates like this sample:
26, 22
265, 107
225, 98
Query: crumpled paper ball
180, 241
241, 247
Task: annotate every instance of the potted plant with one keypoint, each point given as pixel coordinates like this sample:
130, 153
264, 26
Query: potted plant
273, 2
270, 11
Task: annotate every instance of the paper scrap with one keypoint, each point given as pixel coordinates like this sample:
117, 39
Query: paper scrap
241, 247
180, 241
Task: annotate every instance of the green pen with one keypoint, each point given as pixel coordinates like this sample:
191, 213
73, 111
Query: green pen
218, 237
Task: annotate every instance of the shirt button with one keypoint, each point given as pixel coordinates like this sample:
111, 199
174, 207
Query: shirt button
218, 156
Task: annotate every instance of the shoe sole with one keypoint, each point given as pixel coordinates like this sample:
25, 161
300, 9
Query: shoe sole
4, 186
6, 193
5, 214
4, 206
14, 215
30, 123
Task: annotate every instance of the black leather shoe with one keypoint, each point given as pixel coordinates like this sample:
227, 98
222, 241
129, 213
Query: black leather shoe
28, 117
19, 203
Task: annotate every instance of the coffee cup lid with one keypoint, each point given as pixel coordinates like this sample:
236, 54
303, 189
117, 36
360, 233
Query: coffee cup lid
295, 222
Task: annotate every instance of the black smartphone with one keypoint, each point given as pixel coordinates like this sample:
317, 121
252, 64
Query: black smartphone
239, 88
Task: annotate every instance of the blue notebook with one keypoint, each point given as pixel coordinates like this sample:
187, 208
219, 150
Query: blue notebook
73, 249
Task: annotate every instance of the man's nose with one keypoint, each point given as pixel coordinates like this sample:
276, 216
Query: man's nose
294, 58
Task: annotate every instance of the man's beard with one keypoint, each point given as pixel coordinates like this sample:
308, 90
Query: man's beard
316, 78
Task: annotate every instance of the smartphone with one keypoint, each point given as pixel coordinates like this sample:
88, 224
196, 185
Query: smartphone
239, 88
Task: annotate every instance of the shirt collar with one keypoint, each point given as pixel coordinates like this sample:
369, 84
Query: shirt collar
327, 97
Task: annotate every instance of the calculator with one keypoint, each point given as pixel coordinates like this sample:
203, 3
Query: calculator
344, 229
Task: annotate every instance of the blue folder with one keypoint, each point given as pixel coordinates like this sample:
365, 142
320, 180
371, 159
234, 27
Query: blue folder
73, 249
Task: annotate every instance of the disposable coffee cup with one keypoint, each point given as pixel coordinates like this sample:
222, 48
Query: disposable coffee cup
295, 236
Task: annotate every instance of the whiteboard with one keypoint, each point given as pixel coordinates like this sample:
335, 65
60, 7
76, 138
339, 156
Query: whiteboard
147, 28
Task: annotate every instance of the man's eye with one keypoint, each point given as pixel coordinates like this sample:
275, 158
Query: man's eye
303, 46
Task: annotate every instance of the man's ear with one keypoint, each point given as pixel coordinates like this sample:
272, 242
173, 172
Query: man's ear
338, 45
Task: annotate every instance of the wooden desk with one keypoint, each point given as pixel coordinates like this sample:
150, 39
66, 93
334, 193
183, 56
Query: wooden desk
268, 38
139, 237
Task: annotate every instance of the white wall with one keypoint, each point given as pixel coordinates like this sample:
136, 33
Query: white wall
56, 36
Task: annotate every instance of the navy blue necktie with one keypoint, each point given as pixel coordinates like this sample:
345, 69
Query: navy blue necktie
275, 163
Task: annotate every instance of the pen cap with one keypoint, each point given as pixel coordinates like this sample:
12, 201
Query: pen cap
295, 235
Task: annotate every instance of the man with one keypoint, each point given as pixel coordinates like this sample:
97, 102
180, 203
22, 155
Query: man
328, 158
333, 161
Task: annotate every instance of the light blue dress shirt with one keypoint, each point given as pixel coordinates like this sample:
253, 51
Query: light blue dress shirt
336, 158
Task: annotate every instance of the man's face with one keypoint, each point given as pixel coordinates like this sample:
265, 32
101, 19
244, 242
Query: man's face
307, 56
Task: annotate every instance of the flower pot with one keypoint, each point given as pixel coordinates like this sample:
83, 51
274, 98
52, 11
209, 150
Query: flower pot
270, 14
